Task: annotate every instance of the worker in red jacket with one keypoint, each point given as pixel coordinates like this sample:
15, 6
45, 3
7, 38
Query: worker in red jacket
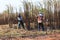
40, 21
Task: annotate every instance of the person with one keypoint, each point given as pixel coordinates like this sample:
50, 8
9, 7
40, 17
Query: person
40, 21
20, 21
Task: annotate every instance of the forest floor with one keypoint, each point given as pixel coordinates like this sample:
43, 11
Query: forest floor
7, 33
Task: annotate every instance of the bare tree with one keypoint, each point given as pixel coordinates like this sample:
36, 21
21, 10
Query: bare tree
10, 11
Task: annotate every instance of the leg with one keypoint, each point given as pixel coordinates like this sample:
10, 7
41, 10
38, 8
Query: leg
38, 26
42, 26
18, 24
22, 24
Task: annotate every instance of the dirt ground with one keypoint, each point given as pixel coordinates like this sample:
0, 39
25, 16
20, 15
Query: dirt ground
45, 37
54, 36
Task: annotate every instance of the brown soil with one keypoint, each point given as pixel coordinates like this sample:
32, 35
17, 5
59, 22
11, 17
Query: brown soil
54, 36
42, 37
47, 37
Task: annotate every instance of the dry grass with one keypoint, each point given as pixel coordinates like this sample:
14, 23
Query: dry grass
7, 33
5, 30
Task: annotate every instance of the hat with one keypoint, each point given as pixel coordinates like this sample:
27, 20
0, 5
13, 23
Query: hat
40, 14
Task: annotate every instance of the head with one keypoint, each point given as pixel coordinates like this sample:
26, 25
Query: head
19, 15
40, 14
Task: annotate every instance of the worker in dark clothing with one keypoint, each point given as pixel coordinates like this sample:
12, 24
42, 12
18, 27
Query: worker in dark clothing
20, 21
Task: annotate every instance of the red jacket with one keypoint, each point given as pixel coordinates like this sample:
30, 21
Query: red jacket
40, 19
